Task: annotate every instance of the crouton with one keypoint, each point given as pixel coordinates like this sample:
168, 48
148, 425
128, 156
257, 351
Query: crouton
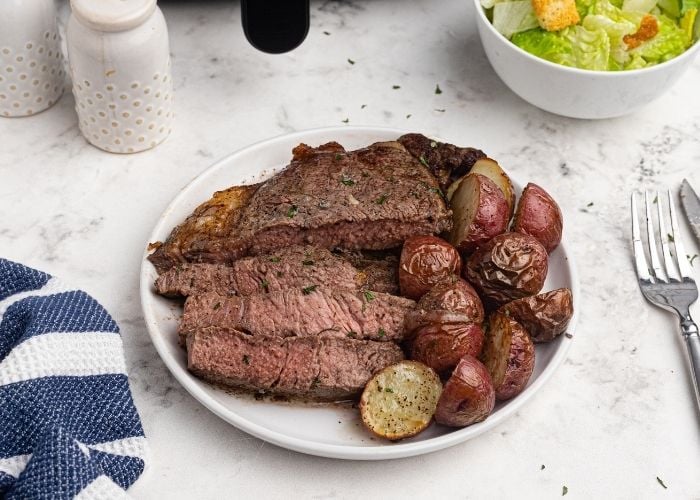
554, 15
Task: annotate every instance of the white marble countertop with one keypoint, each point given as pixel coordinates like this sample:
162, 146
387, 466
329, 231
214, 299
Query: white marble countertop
616, 415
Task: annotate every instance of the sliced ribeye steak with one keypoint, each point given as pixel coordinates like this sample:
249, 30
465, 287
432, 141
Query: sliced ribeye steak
301, 312
320, 367
293, 267
371, 198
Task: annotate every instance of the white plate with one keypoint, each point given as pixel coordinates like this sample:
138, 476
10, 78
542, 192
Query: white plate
328, 431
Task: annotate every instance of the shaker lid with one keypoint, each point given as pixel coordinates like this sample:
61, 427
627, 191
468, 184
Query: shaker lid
112, 15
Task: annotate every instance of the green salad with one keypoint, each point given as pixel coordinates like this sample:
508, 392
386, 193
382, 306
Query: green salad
602, 35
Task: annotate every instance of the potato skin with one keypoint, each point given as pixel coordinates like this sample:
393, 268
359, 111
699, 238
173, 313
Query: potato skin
468, 396
457, 296
509, 356
539, 215
544, 316
480, 212
441, 346
425, 261
420, 318
508, 267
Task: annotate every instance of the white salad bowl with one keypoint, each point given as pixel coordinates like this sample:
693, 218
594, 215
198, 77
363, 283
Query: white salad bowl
573, 92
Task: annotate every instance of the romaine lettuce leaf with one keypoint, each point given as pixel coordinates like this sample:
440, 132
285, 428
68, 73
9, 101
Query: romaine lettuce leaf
689, 25
573, 46
668, 43
671, 8
548, 45
513, 17
638, 5
686, 5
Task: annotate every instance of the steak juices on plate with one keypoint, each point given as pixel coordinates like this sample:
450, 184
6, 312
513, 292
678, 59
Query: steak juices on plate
292, 284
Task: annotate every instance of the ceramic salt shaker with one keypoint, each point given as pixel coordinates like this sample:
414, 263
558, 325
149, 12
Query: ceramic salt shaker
120, 65
31, 61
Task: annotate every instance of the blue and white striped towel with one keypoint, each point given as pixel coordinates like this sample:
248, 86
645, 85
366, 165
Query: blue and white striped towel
68, 425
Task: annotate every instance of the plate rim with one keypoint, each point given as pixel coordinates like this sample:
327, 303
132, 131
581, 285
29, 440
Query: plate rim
398, 450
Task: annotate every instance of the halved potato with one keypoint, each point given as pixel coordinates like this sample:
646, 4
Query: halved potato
399, 401
425, 261
491, 169
468, 396
509, 356
480, 212
539, 216
544, 316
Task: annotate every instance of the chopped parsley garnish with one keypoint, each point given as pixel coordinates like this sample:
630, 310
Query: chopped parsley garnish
590, 204
408, 116
363, 106
347, 120
381, 199
246, 359
564, 490
389, 389
216, 306
658, 480
307, 262
315, 382
293, 210
542, 467
381, 333
656, 200
438, 90
347, 181
264, 285
274, 258
422, 159
309, 289
396, 87
351, 61
326, 33
369, 296
338, 156
352, 334
691, 259
440, 110
670, 237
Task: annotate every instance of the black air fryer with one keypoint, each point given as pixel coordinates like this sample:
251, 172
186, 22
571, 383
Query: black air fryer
275, 26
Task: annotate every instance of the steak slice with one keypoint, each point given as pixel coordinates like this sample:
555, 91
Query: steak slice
371, 198
301, 313
321, 367
293, 267
205, 235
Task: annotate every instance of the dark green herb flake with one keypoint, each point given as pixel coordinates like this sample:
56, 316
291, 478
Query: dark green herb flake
274, 259
691, 259
246, 359
338, 156
216, 306
347, 181
670, 237
351, 61
369, 296
363, 106
542, 467
564, 490
352, 334
381, 333
389, 389
396, 87
315, 383
440, 110
307, 262
438, 90
293, 210
658, 480
408, 116
381, 199
327, 33
264, 285
309, 289
590, 204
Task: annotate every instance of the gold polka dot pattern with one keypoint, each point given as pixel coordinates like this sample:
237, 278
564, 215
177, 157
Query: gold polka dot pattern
31, 76
123, 118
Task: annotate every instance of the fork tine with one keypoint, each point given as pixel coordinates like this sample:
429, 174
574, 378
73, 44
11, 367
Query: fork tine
640, 258
657, 270
669, 261
682, 259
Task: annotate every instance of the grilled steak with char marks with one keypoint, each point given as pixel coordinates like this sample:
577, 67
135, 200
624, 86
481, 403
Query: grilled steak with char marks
319, 367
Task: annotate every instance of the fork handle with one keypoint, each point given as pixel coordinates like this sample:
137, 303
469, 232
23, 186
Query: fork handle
692, 342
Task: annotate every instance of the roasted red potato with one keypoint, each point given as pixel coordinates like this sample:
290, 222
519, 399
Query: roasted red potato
420, 318
509, 356
491, 169
539, 215
468, 396
544, 316
441, 346
425, 261
480, 212
508, 267
456, 296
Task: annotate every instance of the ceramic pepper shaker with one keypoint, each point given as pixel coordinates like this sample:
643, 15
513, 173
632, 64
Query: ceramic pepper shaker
31, 61
120, 65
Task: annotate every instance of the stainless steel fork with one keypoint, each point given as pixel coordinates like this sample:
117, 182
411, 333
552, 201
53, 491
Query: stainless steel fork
668, 284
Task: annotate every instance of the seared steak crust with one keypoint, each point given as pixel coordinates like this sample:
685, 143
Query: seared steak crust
301, 312
447, 162
293, 267
320, 367
371, 198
